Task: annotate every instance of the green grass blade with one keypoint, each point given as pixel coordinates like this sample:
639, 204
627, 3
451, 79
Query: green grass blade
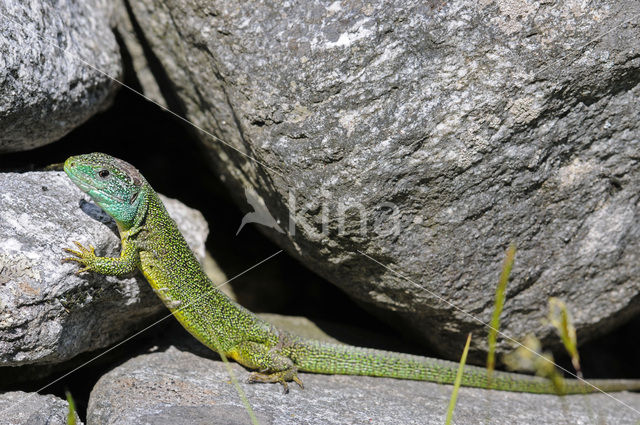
234, 380
497, 309
71, 415
458, 381
530, 357
561, 319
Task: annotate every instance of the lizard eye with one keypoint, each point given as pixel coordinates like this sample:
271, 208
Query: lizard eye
103, 173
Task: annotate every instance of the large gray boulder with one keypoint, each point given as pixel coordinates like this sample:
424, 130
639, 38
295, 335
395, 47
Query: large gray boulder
53, 61
180, 387
48, 314
427, 136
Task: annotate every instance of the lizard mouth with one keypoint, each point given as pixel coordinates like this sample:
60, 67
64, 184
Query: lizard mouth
84, 185
91, 189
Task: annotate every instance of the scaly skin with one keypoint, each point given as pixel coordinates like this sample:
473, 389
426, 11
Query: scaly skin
152, 243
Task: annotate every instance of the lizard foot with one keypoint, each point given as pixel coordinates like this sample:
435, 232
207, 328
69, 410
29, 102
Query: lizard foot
83, 256
282, 377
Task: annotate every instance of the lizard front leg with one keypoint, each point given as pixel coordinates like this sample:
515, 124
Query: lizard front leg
126, 263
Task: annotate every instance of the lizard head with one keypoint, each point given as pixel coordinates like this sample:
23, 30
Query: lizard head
115, 185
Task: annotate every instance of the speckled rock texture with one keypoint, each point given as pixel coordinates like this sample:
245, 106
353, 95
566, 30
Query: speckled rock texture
428, 135
174, 387
48, 314
47, 83
20, 408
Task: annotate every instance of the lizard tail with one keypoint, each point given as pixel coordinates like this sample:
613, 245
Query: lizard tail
322, 357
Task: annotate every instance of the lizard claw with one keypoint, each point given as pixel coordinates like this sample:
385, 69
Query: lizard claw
83, 256
282, 377
83, 250
77, 254
84, 269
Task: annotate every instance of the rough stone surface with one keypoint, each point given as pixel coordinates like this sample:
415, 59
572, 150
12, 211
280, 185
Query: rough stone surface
45, 93
47, 313
453, 127
20, 408
136, 51
179, 387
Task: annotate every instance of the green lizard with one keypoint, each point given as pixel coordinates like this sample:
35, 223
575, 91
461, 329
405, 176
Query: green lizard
152, 242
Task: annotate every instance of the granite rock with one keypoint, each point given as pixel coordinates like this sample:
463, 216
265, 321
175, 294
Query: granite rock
427, 136
53, 61
180, 387
48, 314
20, 408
